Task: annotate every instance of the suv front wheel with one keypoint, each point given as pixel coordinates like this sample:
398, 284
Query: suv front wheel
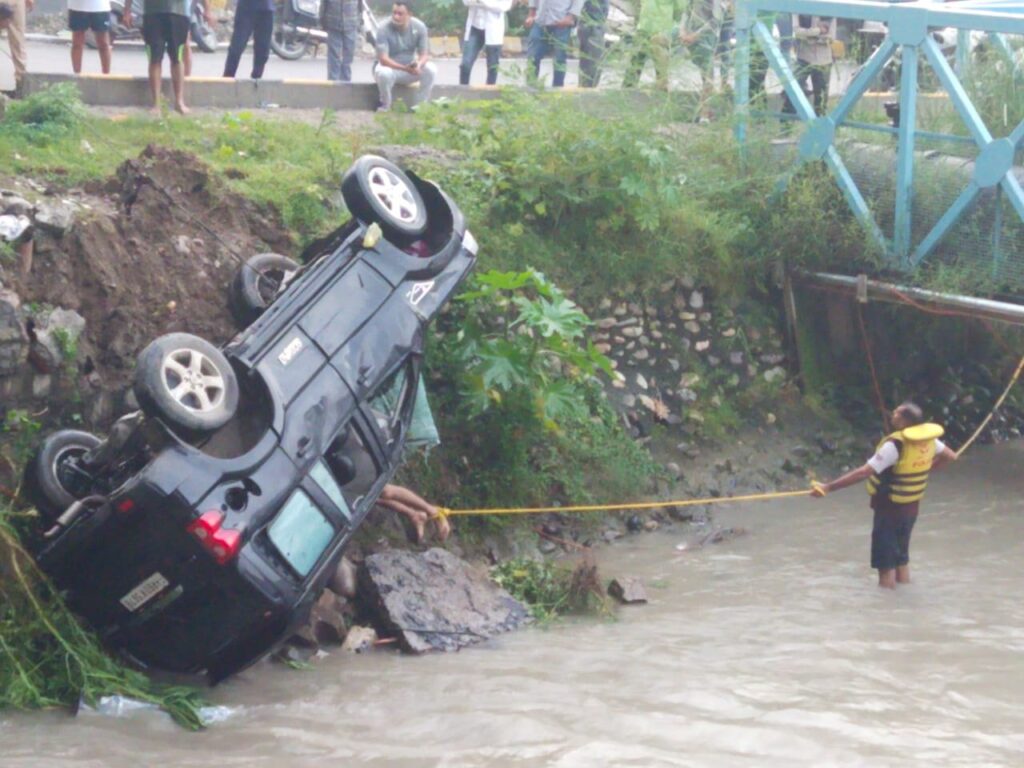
186, 381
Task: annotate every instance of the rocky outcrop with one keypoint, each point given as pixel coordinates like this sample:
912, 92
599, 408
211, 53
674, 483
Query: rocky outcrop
433, 601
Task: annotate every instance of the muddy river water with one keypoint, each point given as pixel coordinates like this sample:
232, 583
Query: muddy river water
771, 650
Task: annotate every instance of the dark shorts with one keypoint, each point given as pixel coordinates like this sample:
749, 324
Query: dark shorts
890, 536
82, 21
165, 31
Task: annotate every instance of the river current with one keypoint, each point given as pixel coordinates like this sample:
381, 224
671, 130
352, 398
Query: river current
775, 649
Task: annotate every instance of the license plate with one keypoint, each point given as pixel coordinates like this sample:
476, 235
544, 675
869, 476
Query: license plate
145, 592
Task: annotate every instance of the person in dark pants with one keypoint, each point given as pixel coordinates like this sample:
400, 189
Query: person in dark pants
896, 478
591, 35
550, 23
341, 20
255, 19
485, 31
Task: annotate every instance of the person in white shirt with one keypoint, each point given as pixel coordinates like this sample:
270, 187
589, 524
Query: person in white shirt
485, 29
83, 16
896, 475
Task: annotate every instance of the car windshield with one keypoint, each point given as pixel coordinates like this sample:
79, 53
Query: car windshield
323, 477
301, 533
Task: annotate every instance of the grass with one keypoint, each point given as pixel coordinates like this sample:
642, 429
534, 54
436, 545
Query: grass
48, 660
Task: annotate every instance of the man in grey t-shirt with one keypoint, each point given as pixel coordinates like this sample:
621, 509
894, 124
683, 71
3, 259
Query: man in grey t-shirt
403, 55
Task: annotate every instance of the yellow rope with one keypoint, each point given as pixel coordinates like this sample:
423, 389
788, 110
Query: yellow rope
999, 402
445, 512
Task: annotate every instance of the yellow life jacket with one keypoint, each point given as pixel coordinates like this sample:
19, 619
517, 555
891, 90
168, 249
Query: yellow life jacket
905, 481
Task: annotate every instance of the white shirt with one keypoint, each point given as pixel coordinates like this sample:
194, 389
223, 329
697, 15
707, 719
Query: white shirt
488, 15
89, 6
889, 454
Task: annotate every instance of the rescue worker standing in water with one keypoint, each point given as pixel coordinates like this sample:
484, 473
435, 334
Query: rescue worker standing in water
896, 478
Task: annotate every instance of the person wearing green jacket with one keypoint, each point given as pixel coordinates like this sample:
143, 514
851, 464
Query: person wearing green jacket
656, 21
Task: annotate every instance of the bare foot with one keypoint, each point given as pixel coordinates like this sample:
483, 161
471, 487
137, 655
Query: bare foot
181, 109
155, 111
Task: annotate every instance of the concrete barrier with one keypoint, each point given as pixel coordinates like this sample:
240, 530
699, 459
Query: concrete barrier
218, 92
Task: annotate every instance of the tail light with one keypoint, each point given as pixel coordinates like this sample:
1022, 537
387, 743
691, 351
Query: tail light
222, 543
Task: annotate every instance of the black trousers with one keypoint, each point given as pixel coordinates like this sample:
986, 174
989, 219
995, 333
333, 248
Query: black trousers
249, 23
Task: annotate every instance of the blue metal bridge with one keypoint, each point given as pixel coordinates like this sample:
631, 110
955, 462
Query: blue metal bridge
904, 229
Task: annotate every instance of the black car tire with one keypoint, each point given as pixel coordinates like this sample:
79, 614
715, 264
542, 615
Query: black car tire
186, 381
47, 484
257, 284
376, 190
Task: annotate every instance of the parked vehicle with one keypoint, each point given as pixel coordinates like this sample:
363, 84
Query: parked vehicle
196, 537
298, 25
203, 35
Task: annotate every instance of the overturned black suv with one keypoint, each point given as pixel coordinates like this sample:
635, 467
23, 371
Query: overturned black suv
197, 536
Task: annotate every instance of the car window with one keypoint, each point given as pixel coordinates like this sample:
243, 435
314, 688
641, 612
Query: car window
323, 477
388, 404
352, 465
301, 533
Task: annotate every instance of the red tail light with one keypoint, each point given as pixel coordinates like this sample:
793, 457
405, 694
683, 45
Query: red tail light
125, 505
222, 543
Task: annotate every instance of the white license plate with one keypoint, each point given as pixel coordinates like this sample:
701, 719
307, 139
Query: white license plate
145, 592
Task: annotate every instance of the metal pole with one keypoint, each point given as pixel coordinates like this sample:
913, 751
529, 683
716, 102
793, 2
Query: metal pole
1002, 311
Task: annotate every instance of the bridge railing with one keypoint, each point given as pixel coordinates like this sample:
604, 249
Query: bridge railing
911, 203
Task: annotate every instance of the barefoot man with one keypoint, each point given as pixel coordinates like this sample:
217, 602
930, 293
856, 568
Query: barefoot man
165, 26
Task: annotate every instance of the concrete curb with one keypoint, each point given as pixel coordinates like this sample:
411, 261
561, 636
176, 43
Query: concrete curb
218, 92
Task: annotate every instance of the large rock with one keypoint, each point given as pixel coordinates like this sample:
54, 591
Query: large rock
434, 601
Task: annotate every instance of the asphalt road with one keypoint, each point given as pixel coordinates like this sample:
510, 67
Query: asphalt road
130, 59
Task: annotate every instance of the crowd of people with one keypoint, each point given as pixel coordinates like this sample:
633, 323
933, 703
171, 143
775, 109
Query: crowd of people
702, 29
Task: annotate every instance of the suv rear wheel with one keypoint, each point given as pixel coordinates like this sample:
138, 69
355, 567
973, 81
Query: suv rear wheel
257, 284
186, 381
376, 190
54, 481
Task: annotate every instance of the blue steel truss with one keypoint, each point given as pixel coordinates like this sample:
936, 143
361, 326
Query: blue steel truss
909, 24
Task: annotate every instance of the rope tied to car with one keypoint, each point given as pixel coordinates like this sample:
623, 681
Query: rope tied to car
446, 512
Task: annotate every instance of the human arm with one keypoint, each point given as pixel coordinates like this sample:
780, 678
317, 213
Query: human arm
852, 477
418, 510
946, 456
805, 33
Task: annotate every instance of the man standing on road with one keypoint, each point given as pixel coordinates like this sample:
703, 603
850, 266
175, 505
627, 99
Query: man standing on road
341, 20
255, 19
85, 15
896, 478
15, 27
403, 55
550, 23
165, 26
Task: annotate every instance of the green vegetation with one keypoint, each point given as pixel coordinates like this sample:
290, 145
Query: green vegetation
552, 589
48, 660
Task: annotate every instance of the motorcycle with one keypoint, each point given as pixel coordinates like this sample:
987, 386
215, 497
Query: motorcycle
298, 25
203, 34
